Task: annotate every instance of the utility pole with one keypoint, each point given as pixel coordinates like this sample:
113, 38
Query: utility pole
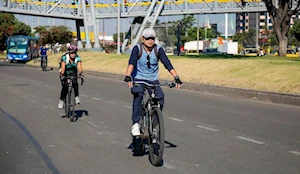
257, 29
198, 33
178, 38
118, 40
103, 34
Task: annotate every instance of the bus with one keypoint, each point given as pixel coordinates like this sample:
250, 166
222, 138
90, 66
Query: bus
22, 48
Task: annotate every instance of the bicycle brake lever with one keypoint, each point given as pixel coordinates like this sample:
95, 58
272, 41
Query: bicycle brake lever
82, 80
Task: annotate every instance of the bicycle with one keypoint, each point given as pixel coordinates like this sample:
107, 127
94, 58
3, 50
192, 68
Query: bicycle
70, 98
151, 125
44, 62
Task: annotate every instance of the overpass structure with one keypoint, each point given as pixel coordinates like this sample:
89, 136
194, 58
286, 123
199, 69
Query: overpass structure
86, 12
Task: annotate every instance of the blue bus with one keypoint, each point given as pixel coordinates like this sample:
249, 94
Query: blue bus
22, 48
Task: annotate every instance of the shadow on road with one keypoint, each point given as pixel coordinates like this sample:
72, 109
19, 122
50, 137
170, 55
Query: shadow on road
137, 142
78, 114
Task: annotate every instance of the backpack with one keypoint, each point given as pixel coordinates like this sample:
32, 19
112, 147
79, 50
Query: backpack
67, 60
155, 51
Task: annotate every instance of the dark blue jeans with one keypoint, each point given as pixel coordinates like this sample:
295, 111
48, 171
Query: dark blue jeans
138, 94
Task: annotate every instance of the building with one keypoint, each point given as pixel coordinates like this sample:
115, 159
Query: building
244, 21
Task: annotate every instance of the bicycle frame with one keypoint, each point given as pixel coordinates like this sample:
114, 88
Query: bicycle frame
44, 62
69, 104
148, 125
149, 104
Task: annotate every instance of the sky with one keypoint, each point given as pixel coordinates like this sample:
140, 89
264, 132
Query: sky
110, 26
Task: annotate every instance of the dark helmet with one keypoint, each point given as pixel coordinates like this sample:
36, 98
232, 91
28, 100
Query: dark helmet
73, 47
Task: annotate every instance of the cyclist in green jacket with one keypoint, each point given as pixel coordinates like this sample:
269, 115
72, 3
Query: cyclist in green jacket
71, 65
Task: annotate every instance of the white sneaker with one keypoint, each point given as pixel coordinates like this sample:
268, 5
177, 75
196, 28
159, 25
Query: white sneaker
61, 104
135, 129
77, 100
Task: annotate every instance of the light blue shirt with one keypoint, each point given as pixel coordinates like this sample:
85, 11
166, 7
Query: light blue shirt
142, 70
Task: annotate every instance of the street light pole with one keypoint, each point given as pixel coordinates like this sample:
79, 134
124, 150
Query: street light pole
178, 38
118, 40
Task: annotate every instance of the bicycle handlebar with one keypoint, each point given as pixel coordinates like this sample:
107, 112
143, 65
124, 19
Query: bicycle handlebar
148, 85
71, 77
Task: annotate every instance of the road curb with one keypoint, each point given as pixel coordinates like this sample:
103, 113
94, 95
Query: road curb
275, 97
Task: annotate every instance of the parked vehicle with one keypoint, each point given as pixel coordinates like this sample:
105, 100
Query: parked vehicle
191, 46
250, 52
289, 53
211, 51
228, 48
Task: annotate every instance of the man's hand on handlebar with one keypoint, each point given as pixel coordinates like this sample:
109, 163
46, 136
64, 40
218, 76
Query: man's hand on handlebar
81, 75
178, 82
128, 81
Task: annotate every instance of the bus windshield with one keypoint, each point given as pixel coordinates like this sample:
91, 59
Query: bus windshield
18, 45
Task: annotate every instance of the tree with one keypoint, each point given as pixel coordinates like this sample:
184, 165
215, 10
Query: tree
167, 33
246, 39
11, 26
52, 35
296, 29
211, 33
22, 29
280, 15
185, 24
115, 37
60, 34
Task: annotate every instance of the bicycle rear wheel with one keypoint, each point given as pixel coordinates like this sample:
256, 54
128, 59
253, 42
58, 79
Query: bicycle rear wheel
156, 137
72, 105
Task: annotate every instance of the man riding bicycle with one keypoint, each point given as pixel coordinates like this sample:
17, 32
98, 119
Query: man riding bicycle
71, 65
43, 54
143, 66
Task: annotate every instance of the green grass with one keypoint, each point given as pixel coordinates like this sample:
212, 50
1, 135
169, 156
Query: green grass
280, 74
2, 56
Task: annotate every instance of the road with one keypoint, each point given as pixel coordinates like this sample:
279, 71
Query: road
205, 133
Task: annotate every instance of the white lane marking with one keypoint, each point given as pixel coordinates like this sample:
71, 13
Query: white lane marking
168, 166
294, 152
83, 95
96, 98
251, 140
91, 123
175, 119
128, 107
207, 128
111, 102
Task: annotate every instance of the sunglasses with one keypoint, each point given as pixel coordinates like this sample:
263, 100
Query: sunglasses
148, 38
72, 52
148, 61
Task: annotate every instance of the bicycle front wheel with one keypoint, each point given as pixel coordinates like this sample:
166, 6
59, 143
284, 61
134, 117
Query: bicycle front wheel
72, 104
156, 137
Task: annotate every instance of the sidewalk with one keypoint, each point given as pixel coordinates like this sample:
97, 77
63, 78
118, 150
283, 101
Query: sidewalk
275, 97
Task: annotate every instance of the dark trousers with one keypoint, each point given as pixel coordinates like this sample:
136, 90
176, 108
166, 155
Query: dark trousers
46, 57
138, 94
64, 89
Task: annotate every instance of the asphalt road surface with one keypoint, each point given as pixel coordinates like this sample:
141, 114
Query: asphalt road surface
205, 133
